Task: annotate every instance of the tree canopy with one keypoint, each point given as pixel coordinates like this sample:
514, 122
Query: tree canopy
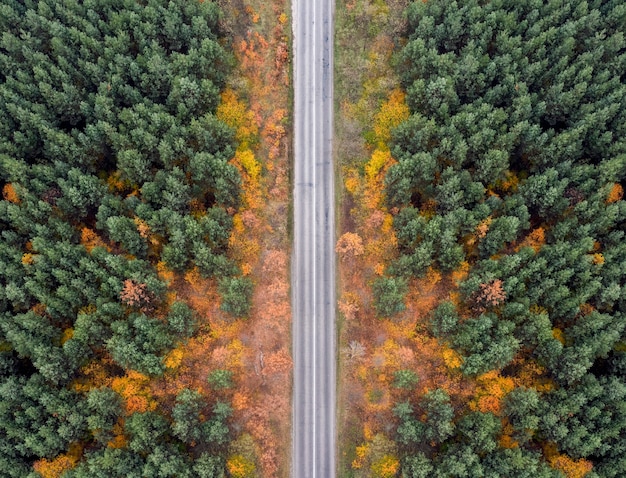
513, 160
111, 162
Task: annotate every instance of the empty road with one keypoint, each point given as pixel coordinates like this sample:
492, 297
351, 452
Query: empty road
313, 264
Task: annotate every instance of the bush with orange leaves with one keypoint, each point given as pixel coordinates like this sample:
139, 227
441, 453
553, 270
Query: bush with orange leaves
536, 239
90, 239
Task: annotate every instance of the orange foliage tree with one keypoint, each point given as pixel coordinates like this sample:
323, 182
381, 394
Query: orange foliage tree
54, 468
349, 305
89, 239
350, 246
9, 193
134, 388
616, 193
492, 388
571, 468
57, 466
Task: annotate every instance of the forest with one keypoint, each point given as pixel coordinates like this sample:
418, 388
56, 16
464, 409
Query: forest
127, 162
509, 181
114, 172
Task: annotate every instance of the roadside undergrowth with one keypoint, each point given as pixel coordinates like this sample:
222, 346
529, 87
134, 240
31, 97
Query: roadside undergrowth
364, 45
257, 105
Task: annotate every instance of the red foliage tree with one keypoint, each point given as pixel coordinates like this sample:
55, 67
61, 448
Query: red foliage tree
489, 294
136, 294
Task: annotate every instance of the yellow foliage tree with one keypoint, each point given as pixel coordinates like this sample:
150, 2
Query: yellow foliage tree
451, 358
174, 358
245, 158
362, 452
376, 163
392, 113
236, 115
558, 334
533, 375
386, 467
28, 258
236, 351
239, 467
67, 334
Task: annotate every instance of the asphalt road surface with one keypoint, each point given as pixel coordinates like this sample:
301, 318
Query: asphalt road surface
313, 264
